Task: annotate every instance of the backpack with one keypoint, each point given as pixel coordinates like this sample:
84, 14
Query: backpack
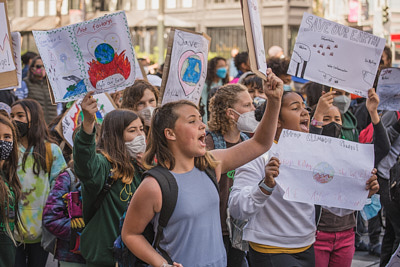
169, 189
366, 135
394, 183
235, 226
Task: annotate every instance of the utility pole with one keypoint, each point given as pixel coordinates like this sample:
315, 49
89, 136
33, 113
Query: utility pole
160, 31
58, 14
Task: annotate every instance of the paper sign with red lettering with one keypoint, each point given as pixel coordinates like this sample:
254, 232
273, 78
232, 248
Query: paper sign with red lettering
95, 55
335, 55
323, 170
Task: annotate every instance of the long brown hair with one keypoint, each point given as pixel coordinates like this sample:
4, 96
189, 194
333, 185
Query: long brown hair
37, 134
163, 118
9, 169
112, 146
225, 97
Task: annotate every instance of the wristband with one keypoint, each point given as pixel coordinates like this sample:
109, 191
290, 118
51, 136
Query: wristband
265, 187
314, 122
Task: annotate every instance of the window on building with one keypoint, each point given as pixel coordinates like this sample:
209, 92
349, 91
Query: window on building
52, 7
64, 7
31, 9
171, 3
41, 8
272, 36
154, 4
224, 39
140, 4
187, 3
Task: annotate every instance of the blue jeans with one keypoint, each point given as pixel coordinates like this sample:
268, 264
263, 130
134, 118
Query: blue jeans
31, 255
302, 259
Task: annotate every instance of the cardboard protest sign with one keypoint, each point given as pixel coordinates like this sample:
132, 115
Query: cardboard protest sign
254, 37
74, 116
324, 170
388, 89
16, 44
336, 55
185, 67
8, 73
95, 55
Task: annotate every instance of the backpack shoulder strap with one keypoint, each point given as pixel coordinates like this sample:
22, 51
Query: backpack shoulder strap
49, 157
169, 190
244, 136
73, 184
211, 173
104, 191
219, 141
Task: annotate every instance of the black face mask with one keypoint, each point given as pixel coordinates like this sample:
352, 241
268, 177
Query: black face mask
22, 128
332, 129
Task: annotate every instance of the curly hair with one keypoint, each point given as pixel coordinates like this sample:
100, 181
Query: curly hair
212, 71
134, 93
225, 97
240, 58
279, 66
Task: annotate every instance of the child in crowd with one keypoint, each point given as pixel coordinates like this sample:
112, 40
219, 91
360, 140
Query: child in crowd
177, 139
109, 176
231, 109
10, 191
280, 232
40, 162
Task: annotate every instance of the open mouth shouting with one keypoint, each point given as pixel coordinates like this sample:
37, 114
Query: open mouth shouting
202, 140
304, 125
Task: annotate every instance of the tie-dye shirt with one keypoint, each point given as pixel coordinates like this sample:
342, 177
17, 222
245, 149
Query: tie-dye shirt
35, 189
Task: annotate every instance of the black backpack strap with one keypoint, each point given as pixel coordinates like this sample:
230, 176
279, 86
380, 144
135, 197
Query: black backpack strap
169, 190
104, 191
211, 173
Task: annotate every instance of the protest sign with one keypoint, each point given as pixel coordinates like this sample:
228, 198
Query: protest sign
388, 89
324, 170
254, 37
140, 73
16, 44
185, 68
395, 259
336, 55
74, 116
95, 55
8, 73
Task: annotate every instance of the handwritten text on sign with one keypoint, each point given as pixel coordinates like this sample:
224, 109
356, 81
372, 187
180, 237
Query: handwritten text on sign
324, 170
322, 52
388, 89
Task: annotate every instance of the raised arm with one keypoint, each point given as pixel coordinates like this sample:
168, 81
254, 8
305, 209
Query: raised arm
263, 138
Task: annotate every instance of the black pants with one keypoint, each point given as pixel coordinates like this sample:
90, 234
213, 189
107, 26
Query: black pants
391, 238
31, 255
236, 257
303, 259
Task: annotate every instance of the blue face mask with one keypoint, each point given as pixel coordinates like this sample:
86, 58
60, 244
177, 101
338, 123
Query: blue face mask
221, 72
370, 210
286, 87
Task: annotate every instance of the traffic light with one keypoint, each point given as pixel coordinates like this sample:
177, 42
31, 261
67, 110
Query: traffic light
385, 14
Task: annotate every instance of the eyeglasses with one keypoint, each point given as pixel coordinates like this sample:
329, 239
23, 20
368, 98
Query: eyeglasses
39, 66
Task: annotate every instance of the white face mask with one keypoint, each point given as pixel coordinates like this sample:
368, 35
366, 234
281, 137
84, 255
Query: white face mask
136, 146
247, 122
147, 114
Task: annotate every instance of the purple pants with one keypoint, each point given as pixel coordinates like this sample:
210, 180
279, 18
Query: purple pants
334, 249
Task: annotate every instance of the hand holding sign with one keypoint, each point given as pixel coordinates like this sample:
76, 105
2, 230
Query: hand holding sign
273, 87
271, 172
89, 109
372, 105
324, 104
372, 184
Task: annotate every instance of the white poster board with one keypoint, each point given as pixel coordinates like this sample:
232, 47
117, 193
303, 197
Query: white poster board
6, 61
254, 37
388, 89
74, 116
395, 259
323, 170
95, 55
185, 65
16, 43
335, 55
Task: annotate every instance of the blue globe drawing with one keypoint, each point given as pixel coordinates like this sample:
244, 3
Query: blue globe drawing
191, 70
104, 53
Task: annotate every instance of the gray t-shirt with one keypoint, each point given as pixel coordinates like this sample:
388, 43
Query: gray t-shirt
193, 236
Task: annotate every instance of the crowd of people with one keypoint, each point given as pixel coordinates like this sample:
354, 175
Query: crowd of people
229, 210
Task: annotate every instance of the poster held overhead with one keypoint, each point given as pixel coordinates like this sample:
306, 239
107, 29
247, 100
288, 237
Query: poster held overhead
254, 37
8, 72
324, 170
95, 55
335, 55
185, 67
388, 89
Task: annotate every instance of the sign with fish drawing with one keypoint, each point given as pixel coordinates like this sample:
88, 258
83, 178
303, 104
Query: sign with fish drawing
185, 67
335, 55
95, 55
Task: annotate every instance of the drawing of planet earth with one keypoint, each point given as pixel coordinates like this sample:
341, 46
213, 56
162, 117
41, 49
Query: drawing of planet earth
75, 89
191, 70
104, 53
323, 173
